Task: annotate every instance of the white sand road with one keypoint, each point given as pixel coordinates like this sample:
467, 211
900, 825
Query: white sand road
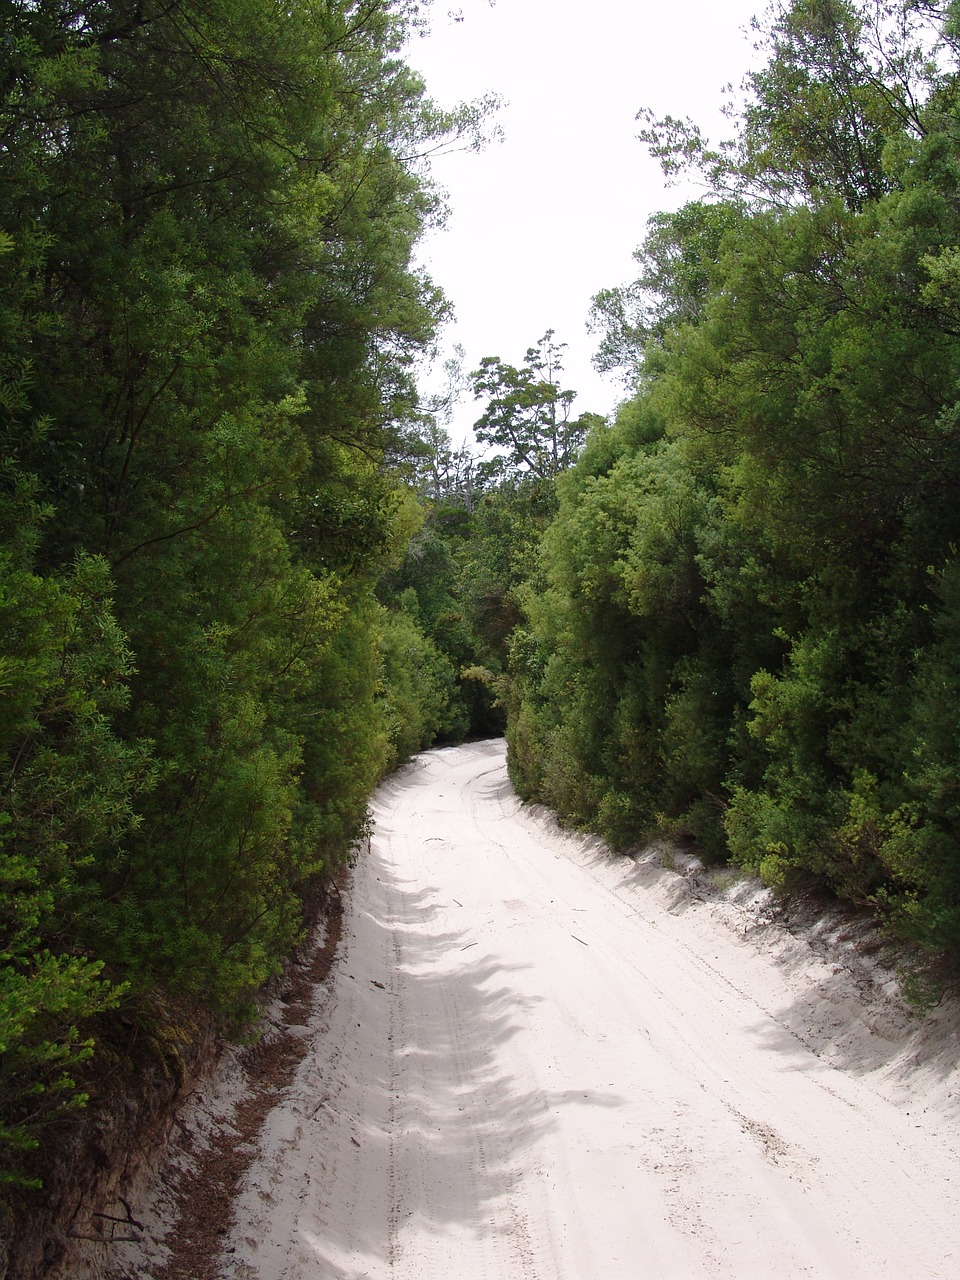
526, 1063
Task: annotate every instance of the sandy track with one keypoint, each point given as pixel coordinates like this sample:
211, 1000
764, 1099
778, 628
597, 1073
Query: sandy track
525, 1065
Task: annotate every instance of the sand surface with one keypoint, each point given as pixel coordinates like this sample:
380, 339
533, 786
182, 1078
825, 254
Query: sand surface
534, 1060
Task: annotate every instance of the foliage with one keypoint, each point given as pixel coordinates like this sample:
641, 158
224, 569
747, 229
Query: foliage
209, 320
742, 626
454, 598
841, 81
527, 416
418, 688
69, 795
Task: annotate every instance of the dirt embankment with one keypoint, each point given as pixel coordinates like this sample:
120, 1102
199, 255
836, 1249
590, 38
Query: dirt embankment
148, 1134
91, 1164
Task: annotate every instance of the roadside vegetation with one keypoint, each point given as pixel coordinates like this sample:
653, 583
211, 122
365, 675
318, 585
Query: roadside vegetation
244, 572
209, 328
743, 625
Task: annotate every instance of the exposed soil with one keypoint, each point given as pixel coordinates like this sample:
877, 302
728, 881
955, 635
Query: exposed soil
205, 1194
144, 1184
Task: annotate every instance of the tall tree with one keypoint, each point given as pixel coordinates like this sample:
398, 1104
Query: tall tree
743, 622
210, 318
841, 78
527, 416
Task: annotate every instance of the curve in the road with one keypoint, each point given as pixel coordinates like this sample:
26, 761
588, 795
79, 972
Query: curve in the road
525, 1066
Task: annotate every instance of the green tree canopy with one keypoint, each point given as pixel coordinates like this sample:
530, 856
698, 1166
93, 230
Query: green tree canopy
210, 319
527, 417
747, 598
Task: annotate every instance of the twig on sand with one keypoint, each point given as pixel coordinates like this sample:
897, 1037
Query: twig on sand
128, 1221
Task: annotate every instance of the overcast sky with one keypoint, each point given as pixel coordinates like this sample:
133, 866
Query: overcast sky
545, 219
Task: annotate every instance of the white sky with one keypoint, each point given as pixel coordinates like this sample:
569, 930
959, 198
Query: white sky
544, 220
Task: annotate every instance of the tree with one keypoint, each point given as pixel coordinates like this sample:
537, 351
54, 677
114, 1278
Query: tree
678, 268
842, 77
743, 623
528, 413
209, 320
